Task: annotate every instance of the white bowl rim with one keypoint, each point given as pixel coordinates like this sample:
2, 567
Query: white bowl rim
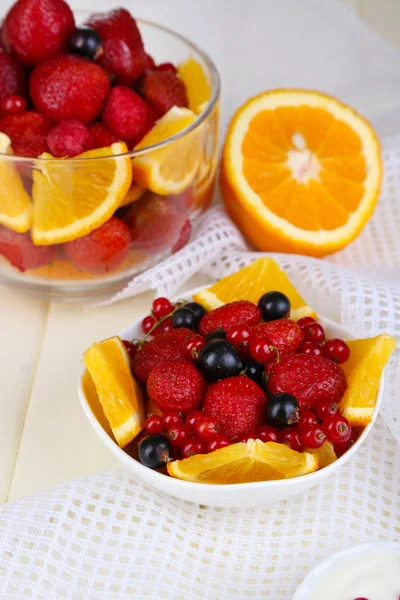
313, 577
312, 478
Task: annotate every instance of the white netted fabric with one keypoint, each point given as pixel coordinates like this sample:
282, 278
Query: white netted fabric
110, 537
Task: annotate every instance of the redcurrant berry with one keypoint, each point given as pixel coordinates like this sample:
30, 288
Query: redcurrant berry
154, 424
336, 350
178, 434
161, 308
314, 332
172, 417
326, 408
261, 349
193, 446
267, 433
148, 323
306, 419
312, 436
239, 336
192, 417
337, 428
246, 436
342, 447
131, 348
305, 321
216, 442
206, 427
292, 438
13, 104
193, 345
165, 326
310, 348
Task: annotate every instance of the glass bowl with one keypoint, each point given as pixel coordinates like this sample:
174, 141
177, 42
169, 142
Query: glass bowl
159, 221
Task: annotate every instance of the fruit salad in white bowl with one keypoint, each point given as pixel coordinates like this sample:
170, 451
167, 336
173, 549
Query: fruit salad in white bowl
235, 395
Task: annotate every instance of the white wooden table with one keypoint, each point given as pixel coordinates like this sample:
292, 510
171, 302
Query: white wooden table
44, 437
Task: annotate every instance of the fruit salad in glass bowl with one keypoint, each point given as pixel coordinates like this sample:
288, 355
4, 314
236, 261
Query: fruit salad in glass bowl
108, 146
234, 395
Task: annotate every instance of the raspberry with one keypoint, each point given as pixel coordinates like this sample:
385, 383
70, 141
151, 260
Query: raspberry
13, 78
69, 137
162, 89
176, 385
20, 251
127, 115
27, 131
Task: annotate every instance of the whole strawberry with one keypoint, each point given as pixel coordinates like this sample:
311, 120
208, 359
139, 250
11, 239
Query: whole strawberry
102, 136
70, 137
35, 30
103, 249
165, 346
27, 132
311, 379
20, 251
224, 317
163, 90
176, 385
13, 79
123, 51
284, 334
127, 115
69, 87
236, 403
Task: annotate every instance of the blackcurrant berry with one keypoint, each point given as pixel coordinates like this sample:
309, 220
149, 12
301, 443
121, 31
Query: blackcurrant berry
255, 371
282, 410
219, 359
85, 42
218, 334
274, 305
184, 317
198, 309
155, 451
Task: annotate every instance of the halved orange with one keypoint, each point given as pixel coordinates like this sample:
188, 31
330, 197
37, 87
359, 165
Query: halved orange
363, 370
197, 86
15, 204
300, 172
250, 283
119, 394
72, 197
243, 463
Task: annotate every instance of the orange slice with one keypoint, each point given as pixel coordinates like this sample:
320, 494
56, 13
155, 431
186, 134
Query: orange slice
119, 394
300, 172
72, 197
243, 463
170, 169
250, 283
198, 88
363, 370
134, 193
15, 204
326, 454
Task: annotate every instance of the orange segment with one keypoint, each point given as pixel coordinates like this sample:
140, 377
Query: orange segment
15, 204
300, 172
119, 394
134, 193
197, 86
326, 454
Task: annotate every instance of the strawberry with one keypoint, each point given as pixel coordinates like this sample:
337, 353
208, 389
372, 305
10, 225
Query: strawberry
237, 403
27, 131
103, 249
35, 30
20, 251
149, 64
311, 379
167, 67
284, 334
13, 79
224, 317
127, 115
184, 236
176, 385
69, 138
165, 346
123, 51
162, 89
69, 87
102, 137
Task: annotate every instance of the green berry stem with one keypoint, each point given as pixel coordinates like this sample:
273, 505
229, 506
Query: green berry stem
158, 323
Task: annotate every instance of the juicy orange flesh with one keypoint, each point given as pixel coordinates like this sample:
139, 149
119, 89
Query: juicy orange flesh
332, 191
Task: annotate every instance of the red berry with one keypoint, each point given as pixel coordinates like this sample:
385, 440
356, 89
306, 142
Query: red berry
314, 332
176, 385
148, 323
312, 436
206, 427
292, 438
305, 321
192, 418
193, 345
216, 442
167, 67
326, 408
162, 89
267, 433
161, 308
166, 326
171, 417
342, 447
69, 137
178, 434
102, 137
13, 77
336, 350
337, 429
261, 349
27, 131
246, 436
306, 419
193, 446
12, 104
131, 348
21, 252
239, 336
242, 312
310, 348
154, 424
127, 115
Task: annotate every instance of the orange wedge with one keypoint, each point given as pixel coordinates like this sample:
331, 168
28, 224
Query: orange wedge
15, 204
134, 193
250, 283
72, 197
326, 454
198, 88
119, 394
300, 172
243, 463
363, 369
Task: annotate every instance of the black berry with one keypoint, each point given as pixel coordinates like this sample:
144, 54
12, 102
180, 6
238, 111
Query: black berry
184, 317
218, 334
274, 305
219, 359
282, 410
86, 43
198, 309
155, 451
255, 371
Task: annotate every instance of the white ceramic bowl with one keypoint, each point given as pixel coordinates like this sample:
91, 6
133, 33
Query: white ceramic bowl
354, 562
242, 494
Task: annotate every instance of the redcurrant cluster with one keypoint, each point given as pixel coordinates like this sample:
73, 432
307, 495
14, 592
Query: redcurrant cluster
316, 343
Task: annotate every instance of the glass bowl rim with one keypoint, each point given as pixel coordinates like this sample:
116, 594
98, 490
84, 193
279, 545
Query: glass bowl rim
215, 93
